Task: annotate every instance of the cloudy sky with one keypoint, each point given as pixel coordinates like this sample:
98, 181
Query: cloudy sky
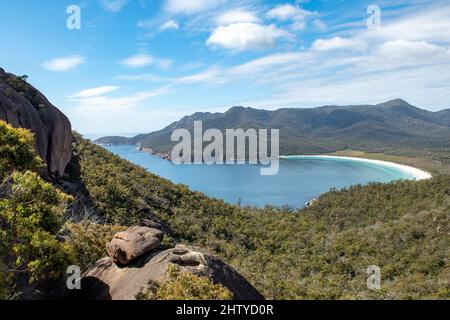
137, 65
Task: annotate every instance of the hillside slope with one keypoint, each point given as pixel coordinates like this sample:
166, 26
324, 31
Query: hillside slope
387, 126
321, 252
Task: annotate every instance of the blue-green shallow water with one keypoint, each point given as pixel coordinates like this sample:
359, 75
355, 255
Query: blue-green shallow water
298, 180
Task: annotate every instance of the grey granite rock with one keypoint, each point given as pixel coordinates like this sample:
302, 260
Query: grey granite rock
21, 105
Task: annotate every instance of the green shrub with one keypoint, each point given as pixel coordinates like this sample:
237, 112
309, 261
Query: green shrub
32, 213
185, 286
30, 219
19, 84
17, 151
88, 241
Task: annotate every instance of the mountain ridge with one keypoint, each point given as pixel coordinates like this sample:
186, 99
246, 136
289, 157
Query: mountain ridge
392, 124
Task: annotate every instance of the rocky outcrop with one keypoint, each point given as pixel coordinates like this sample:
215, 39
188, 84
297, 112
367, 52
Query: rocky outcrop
21, 105
107, 280
128, 245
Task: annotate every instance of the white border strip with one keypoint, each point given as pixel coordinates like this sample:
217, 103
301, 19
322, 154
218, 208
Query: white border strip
418, 174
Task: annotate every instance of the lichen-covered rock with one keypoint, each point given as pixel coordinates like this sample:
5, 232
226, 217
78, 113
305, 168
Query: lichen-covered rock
21, 105
132, 243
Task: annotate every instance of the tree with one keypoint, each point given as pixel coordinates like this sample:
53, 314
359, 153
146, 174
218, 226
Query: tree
24, 78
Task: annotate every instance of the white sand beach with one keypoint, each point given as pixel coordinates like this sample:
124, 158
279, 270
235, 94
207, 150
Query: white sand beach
418, 174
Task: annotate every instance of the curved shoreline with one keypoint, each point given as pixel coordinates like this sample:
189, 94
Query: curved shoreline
418, 174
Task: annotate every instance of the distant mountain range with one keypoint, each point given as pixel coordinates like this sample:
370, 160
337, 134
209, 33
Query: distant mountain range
391, 125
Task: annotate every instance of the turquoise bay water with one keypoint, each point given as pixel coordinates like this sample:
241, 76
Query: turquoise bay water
298, 181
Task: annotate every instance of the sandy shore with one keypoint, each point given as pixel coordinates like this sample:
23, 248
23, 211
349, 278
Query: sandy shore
418, 174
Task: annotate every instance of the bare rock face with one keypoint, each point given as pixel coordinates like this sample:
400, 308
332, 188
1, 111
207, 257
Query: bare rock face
21, 105
132, 243
107, 280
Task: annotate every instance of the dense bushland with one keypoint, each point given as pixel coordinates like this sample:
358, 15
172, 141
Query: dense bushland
319, 252
32, 214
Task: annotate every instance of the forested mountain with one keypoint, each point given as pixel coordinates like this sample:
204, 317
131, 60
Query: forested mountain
394, 124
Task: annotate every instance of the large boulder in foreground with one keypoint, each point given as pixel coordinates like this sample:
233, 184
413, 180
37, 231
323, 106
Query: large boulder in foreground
132, 243
22, 105
106, 280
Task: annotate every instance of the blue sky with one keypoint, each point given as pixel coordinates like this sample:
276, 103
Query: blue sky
137, 65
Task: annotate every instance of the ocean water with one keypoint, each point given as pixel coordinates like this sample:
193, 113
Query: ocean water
298, 180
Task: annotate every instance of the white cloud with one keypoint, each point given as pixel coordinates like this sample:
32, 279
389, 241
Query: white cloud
431, 25
191, 6
169, 25
164, 63
235, 16
288, 12
101, 103
146, 24
143, 60
144, 77
264, 64
154, 25
401, 53
113, 5
246, 36
358, 68
407, 58
137, 61
208, 76
338, 43
192, 65
319, 25
413, 70
419, 50
284, 12
94, 92
63, 64
129, 121
417, 86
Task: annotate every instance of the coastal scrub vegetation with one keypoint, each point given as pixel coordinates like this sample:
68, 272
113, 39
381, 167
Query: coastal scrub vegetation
321, 252
88, 241
17, 151
32, 213
184, 286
